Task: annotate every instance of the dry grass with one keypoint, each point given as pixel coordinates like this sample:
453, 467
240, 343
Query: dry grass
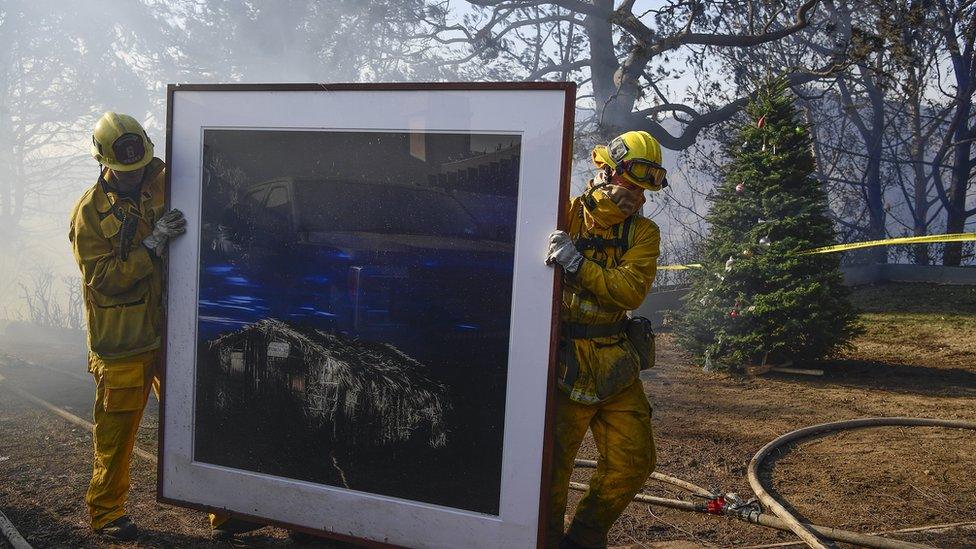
915, 297
908, 322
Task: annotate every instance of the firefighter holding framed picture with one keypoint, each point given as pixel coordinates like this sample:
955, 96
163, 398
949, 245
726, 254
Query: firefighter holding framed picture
609, 260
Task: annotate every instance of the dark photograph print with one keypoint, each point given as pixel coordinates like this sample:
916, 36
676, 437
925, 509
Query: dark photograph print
354, 309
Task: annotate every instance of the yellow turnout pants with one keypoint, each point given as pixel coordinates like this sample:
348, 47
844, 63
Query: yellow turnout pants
624, 439
121, 391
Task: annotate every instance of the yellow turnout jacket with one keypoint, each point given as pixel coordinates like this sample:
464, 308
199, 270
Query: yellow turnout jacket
122, 279
610, 282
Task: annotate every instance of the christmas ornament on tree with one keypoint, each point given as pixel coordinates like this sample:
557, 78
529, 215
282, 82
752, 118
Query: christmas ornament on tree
807, 289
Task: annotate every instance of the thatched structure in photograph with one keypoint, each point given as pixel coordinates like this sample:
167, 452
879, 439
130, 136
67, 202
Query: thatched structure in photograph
367, 394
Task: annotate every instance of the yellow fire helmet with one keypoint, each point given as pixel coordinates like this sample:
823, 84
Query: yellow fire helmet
637, 157
120, 143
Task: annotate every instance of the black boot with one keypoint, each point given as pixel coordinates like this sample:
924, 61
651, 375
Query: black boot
120, 529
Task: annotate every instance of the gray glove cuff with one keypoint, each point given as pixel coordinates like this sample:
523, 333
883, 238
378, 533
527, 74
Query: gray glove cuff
154, 242
575, 264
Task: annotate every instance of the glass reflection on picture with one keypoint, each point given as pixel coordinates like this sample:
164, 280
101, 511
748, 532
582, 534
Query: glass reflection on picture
354, 309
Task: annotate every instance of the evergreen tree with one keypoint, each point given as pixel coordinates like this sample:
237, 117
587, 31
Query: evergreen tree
757, 298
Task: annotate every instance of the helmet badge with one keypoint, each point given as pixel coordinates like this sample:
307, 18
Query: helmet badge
129, 148
618, 149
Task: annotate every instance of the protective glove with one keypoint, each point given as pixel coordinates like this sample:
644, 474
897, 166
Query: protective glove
171, 224
563, 251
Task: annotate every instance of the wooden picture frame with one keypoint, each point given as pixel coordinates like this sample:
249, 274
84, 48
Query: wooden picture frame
361, 333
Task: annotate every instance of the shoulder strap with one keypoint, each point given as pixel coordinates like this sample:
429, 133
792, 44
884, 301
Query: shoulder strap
114, 204
627, 233
624, 236
600, 243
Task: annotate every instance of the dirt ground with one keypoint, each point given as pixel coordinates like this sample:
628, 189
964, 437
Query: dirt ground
917, 358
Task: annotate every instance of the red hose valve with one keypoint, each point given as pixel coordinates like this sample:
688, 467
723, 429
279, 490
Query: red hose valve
716, 506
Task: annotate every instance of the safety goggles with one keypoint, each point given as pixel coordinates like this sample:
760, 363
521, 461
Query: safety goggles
639, 170
644, 172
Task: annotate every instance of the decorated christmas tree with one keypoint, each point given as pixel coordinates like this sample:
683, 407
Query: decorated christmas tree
757, 298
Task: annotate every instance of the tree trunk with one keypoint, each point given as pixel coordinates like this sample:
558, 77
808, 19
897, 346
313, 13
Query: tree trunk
603, 62
921, 251
956, 220
962, 166
875, 197
872, 136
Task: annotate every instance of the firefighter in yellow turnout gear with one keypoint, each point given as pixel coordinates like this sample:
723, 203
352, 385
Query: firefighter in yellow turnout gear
609, 258
118, 231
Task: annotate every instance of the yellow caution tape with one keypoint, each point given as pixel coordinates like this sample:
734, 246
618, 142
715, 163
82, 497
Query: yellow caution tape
954, 237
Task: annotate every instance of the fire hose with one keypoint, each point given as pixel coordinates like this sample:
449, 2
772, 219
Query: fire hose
781, 519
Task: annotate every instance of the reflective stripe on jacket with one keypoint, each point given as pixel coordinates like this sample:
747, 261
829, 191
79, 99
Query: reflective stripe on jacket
122, 280
609, 283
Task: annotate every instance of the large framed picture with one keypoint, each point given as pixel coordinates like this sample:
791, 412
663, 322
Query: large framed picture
360, 325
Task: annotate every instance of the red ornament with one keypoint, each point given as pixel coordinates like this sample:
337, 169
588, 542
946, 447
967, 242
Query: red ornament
740, 187
733, 314
761, 122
